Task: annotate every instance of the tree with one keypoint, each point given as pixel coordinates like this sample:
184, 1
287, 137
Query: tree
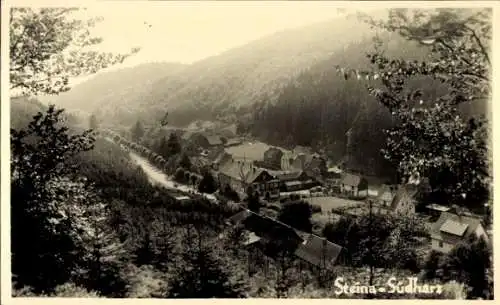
297, 215
42, 249
469, 263
253, 200
93, 124
344, 232
207, 183
185, 162
180, 175
162, 149
104, 255
48, 46
377, 240
137, 132
173, 145
431, 137
193, 179
432, 264
204, 273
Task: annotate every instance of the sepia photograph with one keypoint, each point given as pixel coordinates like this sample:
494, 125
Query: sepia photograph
277, 150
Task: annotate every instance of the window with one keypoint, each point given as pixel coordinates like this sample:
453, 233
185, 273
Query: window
440, 244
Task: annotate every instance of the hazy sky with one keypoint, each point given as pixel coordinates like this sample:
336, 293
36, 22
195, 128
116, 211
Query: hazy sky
186, 32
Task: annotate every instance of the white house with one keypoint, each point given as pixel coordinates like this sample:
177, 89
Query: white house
451, 229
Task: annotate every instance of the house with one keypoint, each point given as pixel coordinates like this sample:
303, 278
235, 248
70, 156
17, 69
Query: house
296, 181
313, 163
332, 178
203, 140
286, 160
435, 210
451, 229
271, 236
353, 185
299, 149
240, 174
228, 131
319, 252
233, 142
397, 199
272, 158
375, 185
218, 160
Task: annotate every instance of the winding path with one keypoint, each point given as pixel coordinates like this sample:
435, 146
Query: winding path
156, 175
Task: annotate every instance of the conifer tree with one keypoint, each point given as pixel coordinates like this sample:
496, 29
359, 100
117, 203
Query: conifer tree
137, 132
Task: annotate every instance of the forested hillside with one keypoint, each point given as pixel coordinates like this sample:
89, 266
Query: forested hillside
115, 95
321, 106
283, 89
285, 83
216, 87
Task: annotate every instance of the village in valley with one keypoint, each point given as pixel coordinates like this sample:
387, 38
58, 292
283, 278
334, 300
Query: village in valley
347, 157
260, 179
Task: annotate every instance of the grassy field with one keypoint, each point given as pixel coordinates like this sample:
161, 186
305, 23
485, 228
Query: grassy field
328, 203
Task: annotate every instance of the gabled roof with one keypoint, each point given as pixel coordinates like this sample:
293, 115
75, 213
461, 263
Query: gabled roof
237, 169
454, 227
264, 227
214, 140
188, 134
309, 247
287, 176
386, 194
251, 239
318, 251
273, 152
437, 207
406, 191
218, 155
351, 179
233, 141
301, 149
449, 227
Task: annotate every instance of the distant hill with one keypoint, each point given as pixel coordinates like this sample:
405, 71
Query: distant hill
116, 94
22, 110
216, 87
282, 88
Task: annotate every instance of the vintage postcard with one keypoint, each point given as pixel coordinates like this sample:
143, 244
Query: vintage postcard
229, 150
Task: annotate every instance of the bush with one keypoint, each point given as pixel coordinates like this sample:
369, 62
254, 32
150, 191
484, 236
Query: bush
180, 175
297, 214
315, 208
230, 194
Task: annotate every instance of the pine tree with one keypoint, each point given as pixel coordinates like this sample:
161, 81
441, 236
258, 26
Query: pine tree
93, 124
185, 162
253, 200
207, 183
203, 274
104, 254
173, 145
137, 132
